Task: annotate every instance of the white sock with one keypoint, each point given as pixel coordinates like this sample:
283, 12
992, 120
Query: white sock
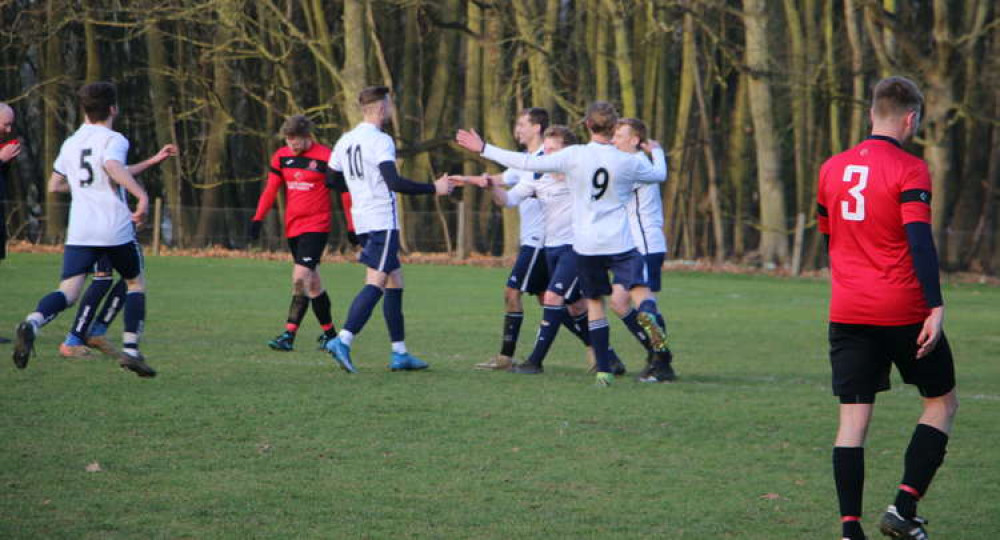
36, 319
346, 336
399, 347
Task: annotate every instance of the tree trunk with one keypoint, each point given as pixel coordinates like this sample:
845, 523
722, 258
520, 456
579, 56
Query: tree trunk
679, 148
832, 80
472, 113
736, 161
857, 73
159, 94
525, 16
353, 72
623, 57
55, 203
498, 117
773, 237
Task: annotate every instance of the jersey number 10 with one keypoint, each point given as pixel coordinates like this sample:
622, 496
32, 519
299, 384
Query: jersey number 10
857, 192
354, 162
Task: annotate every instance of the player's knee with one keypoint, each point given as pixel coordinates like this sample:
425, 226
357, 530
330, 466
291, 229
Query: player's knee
299, 285
620, 304
135, 285
512, 299
552, 299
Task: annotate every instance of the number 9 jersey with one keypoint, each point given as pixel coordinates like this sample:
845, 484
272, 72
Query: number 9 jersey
865, 198
99, 214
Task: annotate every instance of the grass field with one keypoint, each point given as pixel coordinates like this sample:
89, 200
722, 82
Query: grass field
233, 440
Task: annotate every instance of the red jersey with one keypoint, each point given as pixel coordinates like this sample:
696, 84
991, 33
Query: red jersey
303, 178
865, 197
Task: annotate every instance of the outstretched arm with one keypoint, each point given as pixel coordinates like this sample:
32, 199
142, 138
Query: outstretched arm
165, 152
558, 162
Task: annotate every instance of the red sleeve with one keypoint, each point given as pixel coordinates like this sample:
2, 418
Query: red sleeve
915, 195
822, 214
345, 201
274, 181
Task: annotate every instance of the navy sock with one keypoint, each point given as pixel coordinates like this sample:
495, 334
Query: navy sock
647, 305
392, 309
552, 317
631, 320
51, 305
573, 324
297, 310
361, 308
923, 457
511, 330
662, 323
112, 304
88, 307
135, 319
600, 338
849, 477
321, 308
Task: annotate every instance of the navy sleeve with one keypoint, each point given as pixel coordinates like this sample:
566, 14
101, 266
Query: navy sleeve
402, 185
925, 261
335, 180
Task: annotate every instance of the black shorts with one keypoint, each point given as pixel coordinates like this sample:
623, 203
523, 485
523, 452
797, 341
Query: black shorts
628, 270
862, 356
307, 248
126, 259
380, 250
530, 273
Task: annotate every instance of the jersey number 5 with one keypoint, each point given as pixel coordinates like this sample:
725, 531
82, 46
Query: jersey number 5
354, 162
850, 173
84, 164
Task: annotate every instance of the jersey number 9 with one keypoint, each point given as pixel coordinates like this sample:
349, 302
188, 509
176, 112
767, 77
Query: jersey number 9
600, 183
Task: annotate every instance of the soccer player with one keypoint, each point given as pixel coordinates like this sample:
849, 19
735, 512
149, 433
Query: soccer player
645, 214
530, 273
600, 178
90, 164
301, 169
873, 205
9, 149
85, 332
365, 158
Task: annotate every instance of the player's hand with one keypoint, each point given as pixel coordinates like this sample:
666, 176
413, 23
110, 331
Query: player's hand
253, 229
930, 334
444, 185
167, 151
470, 140
10, 151
141, 209
649, 145
352, 237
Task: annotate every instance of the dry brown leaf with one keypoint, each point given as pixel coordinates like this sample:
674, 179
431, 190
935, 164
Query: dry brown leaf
93, 467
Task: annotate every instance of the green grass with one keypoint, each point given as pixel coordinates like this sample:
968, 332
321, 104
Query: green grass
233, 440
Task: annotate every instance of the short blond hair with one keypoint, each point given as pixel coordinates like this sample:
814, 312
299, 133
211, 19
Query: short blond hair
895, 97
601, 118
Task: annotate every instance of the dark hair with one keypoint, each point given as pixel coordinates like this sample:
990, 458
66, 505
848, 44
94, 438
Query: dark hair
561, 132
601, 118
637, 126
372, 94
97, 98
537, 116
297, 126
896, 96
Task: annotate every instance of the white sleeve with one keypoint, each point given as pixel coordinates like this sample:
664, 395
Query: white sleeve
558, 162
335, 157
520, 192
511, 177
117, 149
59, 166
385, 149
648, 173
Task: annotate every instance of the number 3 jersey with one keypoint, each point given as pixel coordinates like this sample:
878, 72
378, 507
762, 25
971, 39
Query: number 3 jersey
866, 196
600, 178
99, 214
357, 155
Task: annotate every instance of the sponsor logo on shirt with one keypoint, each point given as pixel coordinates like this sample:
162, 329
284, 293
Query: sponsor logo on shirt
299, 186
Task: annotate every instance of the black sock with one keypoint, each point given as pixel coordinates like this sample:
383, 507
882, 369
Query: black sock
511, 330
923, 457
297, 309
849, 476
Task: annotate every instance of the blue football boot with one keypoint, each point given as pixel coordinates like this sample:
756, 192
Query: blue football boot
341, 352
406, 362
284, 342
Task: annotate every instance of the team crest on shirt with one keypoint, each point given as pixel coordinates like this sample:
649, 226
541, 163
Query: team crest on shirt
312, 165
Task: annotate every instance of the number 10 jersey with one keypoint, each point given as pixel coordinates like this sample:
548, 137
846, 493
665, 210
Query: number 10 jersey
99, 214
357, 155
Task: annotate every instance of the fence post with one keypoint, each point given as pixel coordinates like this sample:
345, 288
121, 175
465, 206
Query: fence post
157, 213
460, 242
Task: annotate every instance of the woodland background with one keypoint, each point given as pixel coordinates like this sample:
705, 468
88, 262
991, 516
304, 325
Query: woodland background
749, 97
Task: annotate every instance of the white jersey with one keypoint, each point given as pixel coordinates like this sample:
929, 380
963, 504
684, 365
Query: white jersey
98, 214
600, 178
532, 221
645, 215
357, 155
556, 203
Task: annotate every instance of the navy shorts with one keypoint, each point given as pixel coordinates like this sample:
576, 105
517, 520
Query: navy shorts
103, 265
654, 269
564, 278
862, 356
530, 273
307, 248
380, 250
126, 259
628, 270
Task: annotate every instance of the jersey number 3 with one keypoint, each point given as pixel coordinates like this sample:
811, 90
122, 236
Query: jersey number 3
852, 172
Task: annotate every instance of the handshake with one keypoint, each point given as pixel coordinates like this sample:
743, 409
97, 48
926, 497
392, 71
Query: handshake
483, 180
